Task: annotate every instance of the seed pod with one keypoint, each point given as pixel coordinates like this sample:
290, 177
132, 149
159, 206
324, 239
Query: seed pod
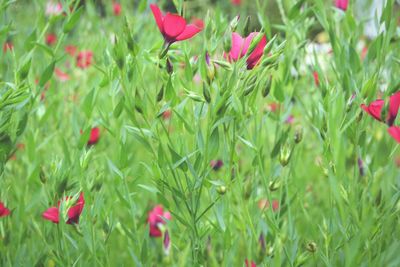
160, 94
234, 23
298, 135
311, 247
285, 154
274, 185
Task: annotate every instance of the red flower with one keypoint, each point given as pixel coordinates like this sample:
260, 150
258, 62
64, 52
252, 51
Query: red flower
198, 22
172, 26
53, 214
7, 46
71, 49
316, 78
167, 114
375, 108
117, 8
84, 59
62, 76
236, 2
3, 210
51, 39
240, 47
94, 136
157, 218
250, 264
342, 4
394, 131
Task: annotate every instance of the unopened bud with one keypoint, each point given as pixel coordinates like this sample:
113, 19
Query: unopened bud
274, 185
42, 176
234, 23
221, 190
285, 154
360, 167
227, 45
160, 94
206, 93
256, 40
269, 45
267, 87
298, 135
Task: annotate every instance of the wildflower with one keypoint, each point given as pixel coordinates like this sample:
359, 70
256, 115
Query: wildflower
167, 114
3, 210
94, 136
84, 59
236, 2
172, 26
167, 242
360, 164
62, 76
240, 47
250, 264
216, 164
394, 131
375, 108
51, 39
156, 219
117, 8
265, 204
199, 23
53, 214
342, 4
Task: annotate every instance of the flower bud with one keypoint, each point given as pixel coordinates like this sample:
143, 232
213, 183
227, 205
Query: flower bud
256, 40
360, 167
298, 135
221, 190
227, 45
267, 87
234, 23
285, 154
274, 185
42, 175
311, 247
206, 93
160, 94
268, 46
167, 242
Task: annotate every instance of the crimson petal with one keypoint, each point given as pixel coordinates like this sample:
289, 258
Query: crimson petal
394, 131
158, 17
51, 214
190, 31
394, 104
173, 26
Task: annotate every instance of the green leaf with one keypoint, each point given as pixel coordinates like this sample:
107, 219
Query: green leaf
46, 74
73, 20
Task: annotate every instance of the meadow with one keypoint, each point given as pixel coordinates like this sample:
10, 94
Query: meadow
199, 133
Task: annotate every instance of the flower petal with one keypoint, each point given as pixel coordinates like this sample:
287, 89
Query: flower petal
51, 214
190, 31
394, 104
75, 212
374, 109
256, 55
173, 25
236, 47
394, 131
247, 42
158, 16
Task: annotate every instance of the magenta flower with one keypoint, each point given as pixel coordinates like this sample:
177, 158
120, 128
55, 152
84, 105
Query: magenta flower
342, 4
156, 218
53, 214
394, 131
375, 108
216, 164
240, 47
172, 26
250, 263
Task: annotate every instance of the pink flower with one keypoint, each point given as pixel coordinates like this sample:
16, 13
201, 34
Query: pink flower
250, 264
216, 164
172, 26
375, 108
156, 218
240, 48
84, 59
53, 214
394, 131
51, 39
342, 4
117, 8
53, 9
167, 114
3, 210
236, 2
62, 76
